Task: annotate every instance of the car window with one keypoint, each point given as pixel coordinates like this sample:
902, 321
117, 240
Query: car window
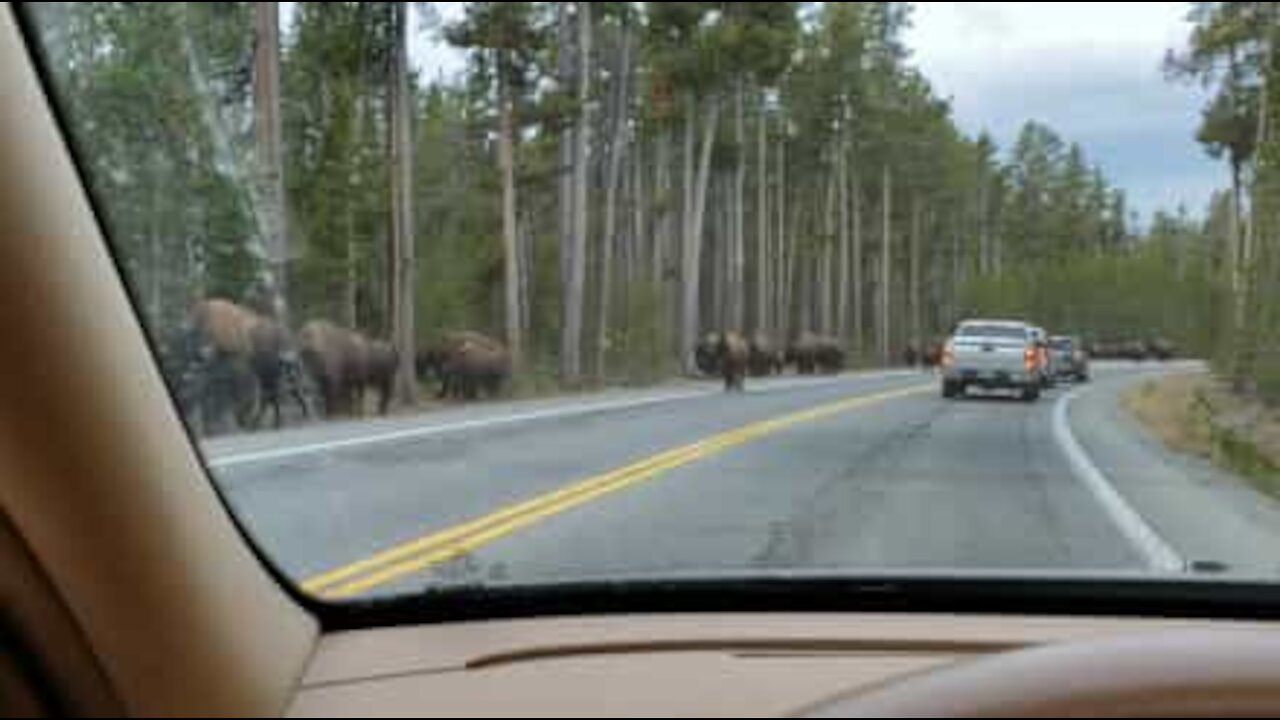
459, 296
1004, 332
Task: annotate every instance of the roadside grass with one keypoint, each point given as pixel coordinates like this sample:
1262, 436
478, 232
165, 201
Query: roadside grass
1196, 414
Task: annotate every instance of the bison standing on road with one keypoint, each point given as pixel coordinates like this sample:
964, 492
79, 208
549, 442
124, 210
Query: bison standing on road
706, 356
335, 358
812, 354
933, 356
381, 361
765, 358
830, 356
734, 356
911, 355
467, 365
233, 360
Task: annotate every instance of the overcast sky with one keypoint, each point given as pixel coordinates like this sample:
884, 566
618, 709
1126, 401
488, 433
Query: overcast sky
1089, 69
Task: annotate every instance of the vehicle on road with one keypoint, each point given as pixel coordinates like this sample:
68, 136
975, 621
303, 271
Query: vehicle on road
1068, 358
1044, 358
993, 355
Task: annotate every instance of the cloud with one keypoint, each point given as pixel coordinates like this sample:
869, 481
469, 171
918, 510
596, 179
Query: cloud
1090, 70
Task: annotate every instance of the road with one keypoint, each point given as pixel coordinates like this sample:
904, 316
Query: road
857, 473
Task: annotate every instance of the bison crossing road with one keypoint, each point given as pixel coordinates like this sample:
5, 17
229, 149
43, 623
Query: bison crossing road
730, 356
229, 365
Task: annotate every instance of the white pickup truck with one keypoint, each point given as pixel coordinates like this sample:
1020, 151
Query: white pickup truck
992, 355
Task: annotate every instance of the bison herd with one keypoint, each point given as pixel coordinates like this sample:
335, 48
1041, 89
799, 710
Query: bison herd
732, 357
1134, 350
231, 365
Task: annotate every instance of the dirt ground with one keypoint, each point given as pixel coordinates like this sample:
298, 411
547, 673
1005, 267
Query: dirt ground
1196, 414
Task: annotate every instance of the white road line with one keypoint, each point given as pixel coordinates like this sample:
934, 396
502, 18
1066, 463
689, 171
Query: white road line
414, 433
425, 431
1157, 553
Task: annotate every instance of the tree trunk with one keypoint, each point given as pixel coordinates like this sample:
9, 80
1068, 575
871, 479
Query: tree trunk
403, 252
884, 330
959, 269
351, 284
664, 240
510, 240
985, 264
762, 220
824, 286
356, 185
805, 271
842, 269
270, 157
618, 110
154, 262
917, 218
566, 37
528, 289
719, 233
859, 314
640, 238
738, 243
575, 282
781, 319
692, 245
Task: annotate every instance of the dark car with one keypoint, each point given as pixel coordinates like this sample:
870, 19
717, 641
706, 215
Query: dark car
1069, 358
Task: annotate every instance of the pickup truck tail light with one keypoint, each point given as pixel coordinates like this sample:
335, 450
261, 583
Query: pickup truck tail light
948, 355
1031, 358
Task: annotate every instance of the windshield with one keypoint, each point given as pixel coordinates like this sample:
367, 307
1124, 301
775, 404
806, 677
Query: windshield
458, 295
1002, 332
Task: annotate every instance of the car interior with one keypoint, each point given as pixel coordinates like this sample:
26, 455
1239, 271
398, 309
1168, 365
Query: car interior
127, 589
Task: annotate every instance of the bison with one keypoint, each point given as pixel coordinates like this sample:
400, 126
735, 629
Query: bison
231, 358
813, 354
911, 355
765, 358
335, 358
830, 357
381, 360
467, 365
1162, 349
706, 356
934, 354
734, 355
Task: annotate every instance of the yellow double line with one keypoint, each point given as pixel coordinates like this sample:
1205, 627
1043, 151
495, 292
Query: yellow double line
440, 547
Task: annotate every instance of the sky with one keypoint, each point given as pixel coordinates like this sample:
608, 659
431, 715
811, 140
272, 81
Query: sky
1091, 70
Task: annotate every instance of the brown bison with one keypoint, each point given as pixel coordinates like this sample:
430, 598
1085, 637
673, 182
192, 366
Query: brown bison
1162, 349
467, 365
765, 358
343, 363
933, 355
706, 355
734, 357
911, 355
233, 359
813, 354
381, 361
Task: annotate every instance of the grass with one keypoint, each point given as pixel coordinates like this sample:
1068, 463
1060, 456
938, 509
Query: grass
1195, 414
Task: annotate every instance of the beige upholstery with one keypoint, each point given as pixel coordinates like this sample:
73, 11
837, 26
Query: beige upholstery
97, 476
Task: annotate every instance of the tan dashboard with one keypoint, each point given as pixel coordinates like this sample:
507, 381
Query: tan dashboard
658, 666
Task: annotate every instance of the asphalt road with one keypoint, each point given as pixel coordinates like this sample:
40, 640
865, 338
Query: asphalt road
858, 473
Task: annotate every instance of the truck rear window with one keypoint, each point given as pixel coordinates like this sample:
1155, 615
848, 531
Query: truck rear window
1003, 332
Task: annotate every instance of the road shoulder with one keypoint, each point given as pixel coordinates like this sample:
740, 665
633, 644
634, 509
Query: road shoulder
1206, 514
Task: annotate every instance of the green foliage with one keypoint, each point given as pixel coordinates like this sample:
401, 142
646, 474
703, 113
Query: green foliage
1153, 292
